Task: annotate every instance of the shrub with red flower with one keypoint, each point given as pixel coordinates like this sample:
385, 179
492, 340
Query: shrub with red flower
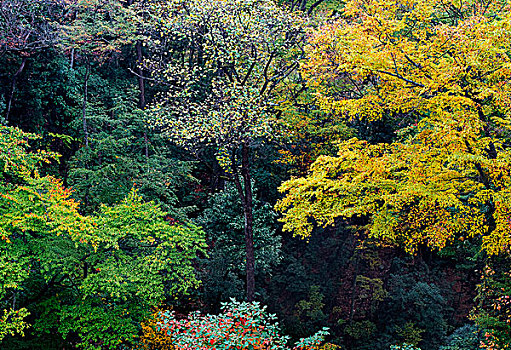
240, 325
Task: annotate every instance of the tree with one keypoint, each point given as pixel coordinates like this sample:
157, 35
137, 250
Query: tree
138, 261
30, 206
94, 30
91, 279
25, 28
441, 69
222, 273
220, 63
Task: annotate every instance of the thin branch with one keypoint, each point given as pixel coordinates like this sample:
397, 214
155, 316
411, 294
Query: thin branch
399, 76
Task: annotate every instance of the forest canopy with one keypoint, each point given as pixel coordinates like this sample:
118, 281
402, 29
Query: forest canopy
255, 174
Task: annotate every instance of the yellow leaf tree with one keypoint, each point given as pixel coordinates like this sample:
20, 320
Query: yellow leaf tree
442, 70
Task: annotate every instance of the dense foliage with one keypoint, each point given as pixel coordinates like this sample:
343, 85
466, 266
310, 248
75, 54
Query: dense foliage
335, 164
239, 326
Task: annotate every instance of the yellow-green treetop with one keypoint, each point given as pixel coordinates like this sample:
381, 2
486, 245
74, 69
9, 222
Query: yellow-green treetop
442, 68
99, 28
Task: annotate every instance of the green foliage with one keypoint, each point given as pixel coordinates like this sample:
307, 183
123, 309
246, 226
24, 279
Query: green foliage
467, 337
371, 288
415, 311
138, 260
313, 306
46, 100
12, 322
123, 153
84, 276
411, 334
239, 325
99, 326
223, 221
360, 329
305, 286
403, 347
142, 253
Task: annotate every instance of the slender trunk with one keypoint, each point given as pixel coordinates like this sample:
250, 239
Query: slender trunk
141, 89
85, 270
141, 83
84, 105
245, 194
249, 226
84, 123
13, 87
72, 61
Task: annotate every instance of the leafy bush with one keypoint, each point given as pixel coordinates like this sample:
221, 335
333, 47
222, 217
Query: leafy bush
463, 338
240, 325
403, 347
493, 312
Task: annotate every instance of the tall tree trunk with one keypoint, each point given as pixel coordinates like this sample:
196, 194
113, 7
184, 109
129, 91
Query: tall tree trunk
13, 87
72, 59
245, 193
141, 88
249, 223
84, 104
141, 83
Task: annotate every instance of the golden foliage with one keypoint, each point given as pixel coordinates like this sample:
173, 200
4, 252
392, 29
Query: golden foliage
155, 337
442, 70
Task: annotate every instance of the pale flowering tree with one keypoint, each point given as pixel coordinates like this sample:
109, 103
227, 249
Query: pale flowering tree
222, 62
